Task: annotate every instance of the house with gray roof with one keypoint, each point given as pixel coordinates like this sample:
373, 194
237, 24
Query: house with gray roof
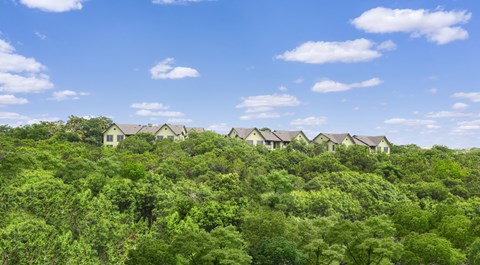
374, 143
333, 140
117, 132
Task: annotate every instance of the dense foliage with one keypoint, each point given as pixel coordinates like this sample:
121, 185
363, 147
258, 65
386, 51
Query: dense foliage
65, 199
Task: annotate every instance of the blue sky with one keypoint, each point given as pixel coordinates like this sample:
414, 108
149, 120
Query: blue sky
404, 69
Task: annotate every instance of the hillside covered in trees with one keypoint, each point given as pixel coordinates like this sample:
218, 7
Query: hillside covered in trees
65, 199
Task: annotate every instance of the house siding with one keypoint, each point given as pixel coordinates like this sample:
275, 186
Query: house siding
165, 132
114, 130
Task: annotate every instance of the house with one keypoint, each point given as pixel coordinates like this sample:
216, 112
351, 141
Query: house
117, 132
252, 136
288, 136
333, 140
167, 131
375, 143
271, 140
195, 129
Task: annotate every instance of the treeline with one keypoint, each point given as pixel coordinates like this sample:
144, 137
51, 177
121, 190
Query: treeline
65, 199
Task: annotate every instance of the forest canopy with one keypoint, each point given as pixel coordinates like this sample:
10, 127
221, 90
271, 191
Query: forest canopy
66, 199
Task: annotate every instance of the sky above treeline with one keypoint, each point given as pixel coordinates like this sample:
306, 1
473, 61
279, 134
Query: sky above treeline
405, 69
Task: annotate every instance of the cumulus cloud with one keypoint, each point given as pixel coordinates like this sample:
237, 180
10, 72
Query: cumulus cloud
12, 83
283, 88
20, 74
260, 115
321, 52
179, 121
466, 128
219, 128
67, 94
165, 70
437, 26
447, 114
459, 106
12, 100
12, 62
412, 122
388, 45
54, 5
12, 116
144, 112
327, 86
433, 90
472, 96
270, 101
309, 121
263, 107
150, 106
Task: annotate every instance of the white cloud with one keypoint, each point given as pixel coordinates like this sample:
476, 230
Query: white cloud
40, 35
19, 74
472, 96
12, 116
298, 80
164, 70
261, 115
150, 106
54, 5
176, 2
179, 121
67, 94
410, 122
388, 45
144, 112
269, 101
309, 121
12, 62
459, 106
321, 52
466, 128
283, 88
438, 26
447, 114
12, 100
433, 90
35, 83
219, 128
334, 86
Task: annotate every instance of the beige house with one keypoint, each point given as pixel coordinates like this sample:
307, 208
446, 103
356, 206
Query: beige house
288, 136
333, 140
117, 132
195, 129
271, 140
252, 136
375, 143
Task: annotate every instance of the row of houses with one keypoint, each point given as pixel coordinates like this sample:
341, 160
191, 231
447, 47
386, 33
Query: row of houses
270, 139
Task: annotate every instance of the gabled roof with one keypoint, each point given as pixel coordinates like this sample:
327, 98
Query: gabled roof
196, 129
150, 129
336, 137
242, 133
370, 140
270, 136
129, 129
287, 136
176, 129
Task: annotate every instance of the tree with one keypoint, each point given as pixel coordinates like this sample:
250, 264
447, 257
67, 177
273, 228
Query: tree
277, 250
429, 248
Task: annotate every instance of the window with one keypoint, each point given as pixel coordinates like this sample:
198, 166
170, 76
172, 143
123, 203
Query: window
170, 137
327, 147
385, 149
250, 142
119, 138
109, 138
159, 137
259, 142
267, 142
333, 147
379, 148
